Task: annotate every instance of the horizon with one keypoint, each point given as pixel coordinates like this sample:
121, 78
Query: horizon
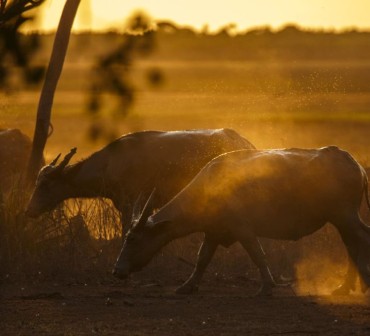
314, 15
231, 32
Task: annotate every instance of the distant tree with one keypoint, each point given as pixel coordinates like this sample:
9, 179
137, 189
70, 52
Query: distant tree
228, 30
11, 47
54, 70
290, 30
168, 27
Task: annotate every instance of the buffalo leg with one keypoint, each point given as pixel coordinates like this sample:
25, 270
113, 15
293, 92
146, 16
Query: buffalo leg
205, 255
255, 251
350, 243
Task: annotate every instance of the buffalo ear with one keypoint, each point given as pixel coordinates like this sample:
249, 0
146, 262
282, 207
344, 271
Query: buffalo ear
147, 211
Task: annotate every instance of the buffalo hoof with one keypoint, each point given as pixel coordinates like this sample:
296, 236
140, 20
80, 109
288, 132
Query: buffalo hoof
341, 291
187, 289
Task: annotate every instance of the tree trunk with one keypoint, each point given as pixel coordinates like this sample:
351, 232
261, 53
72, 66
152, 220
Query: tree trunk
51, 80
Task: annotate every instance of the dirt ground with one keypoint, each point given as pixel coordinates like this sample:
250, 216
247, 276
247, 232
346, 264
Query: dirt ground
149, 307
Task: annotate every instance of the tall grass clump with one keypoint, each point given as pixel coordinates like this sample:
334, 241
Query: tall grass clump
78, 236
14, 233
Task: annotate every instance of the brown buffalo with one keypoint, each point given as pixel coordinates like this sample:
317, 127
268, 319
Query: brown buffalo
131, 167
239, 196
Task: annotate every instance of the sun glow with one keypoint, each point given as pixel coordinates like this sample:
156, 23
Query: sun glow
328, 14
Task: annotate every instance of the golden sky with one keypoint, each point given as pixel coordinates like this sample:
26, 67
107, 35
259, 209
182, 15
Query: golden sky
328, 14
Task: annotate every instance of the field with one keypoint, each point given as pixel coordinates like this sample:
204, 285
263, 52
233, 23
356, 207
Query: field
274, 102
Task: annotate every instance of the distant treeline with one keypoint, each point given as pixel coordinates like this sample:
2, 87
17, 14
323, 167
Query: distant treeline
290, 59
289, 43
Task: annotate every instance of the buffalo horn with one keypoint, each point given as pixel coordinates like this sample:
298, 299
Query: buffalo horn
146, 210
53, 163
67, 158
136, 209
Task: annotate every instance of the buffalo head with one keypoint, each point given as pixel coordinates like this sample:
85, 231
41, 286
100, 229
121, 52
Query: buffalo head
50, 187
141, 243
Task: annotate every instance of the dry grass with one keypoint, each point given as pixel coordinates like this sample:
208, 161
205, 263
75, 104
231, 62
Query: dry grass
64, 244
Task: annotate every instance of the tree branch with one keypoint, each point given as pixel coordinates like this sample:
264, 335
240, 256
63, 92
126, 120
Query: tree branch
15, 8
51, 80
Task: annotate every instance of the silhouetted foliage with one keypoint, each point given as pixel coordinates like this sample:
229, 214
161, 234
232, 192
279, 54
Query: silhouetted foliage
112, 72
12, 48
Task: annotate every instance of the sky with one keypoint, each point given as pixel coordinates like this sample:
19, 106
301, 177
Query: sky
108, 14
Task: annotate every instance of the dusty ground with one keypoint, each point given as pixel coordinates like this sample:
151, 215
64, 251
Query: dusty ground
90, 301
152, 308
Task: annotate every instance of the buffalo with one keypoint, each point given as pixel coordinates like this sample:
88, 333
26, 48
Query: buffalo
127, 169
242, 195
